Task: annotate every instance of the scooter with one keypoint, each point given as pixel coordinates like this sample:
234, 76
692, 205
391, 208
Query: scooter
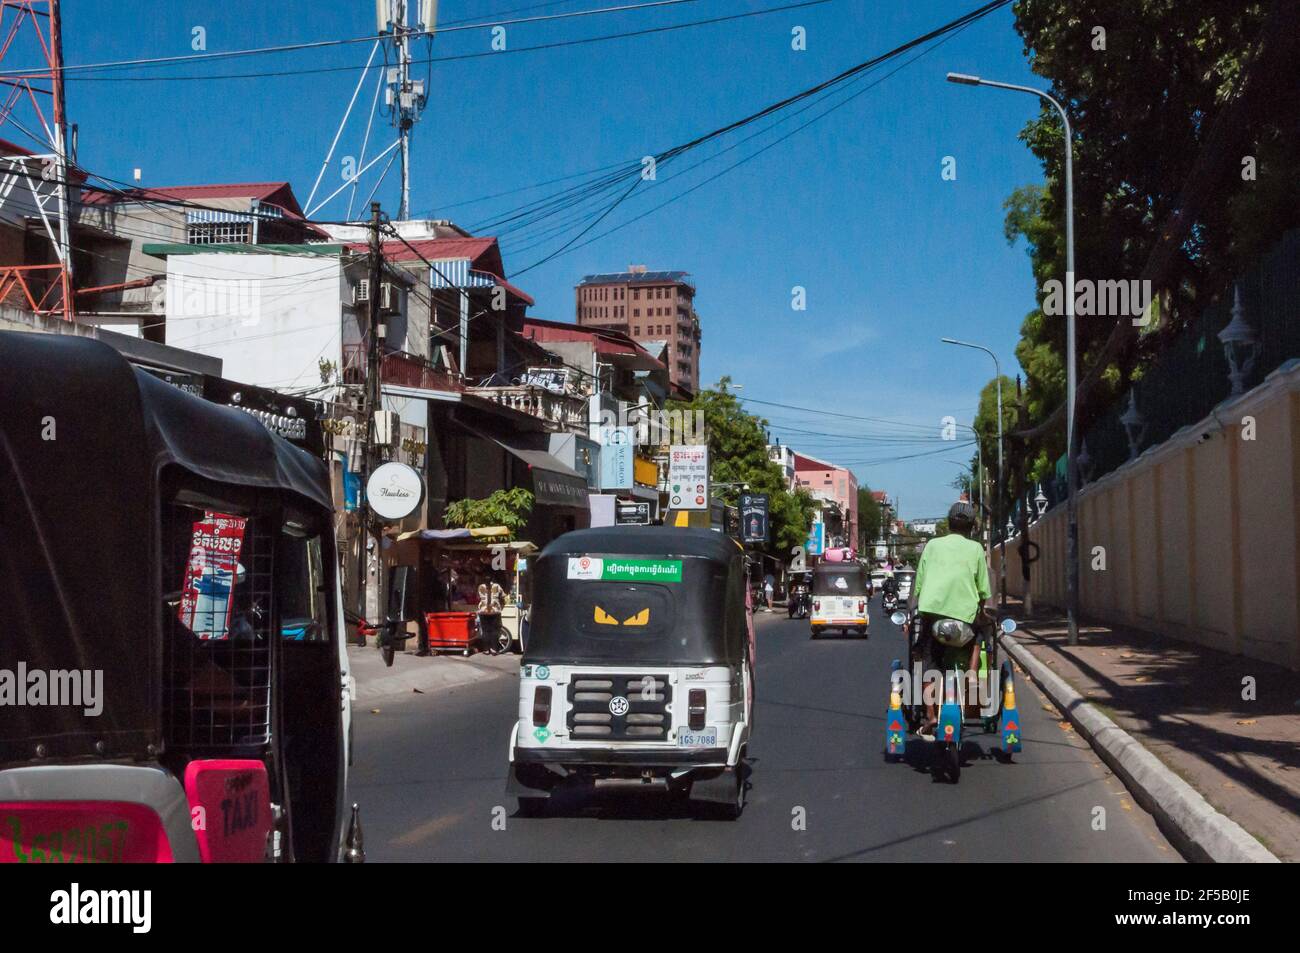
890, 601
797, 605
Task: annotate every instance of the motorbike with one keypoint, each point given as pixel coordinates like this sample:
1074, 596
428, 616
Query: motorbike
906, 714
890, 601
797, 604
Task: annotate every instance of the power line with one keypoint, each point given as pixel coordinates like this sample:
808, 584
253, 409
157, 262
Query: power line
323, 44
940, 32
559, 44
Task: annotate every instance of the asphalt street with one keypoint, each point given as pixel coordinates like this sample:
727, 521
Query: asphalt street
430, 774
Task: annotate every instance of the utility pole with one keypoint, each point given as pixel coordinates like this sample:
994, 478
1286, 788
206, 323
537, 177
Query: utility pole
370, 400
405, 97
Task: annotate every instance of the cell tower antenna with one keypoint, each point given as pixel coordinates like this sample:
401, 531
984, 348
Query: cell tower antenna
399, 22
28, 26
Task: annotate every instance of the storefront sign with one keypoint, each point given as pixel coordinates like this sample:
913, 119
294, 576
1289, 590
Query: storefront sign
632, 514
645, 471
754, 517
688, 477
816, 540
394, 491
617, 454
559, 489
609, 569
554, 379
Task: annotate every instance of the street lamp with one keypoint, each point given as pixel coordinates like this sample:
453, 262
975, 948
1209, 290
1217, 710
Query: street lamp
997, 374
1071, 369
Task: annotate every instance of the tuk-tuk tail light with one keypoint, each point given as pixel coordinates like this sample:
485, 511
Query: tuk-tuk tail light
697, 708
542, 705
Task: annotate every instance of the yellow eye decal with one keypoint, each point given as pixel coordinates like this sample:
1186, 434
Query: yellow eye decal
641, 618
604, 618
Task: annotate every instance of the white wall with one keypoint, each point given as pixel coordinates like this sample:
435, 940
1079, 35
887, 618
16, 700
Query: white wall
270, 318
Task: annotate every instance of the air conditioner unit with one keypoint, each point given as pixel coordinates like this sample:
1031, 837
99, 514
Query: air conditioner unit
388, 428
388, 295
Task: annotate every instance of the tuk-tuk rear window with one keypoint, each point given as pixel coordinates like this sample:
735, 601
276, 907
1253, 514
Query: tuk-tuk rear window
838, 582
622, 611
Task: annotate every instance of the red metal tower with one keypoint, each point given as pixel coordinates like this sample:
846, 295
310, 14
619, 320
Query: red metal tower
31, 29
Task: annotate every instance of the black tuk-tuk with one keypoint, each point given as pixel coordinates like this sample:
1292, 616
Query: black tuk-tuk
638, 667
171, 667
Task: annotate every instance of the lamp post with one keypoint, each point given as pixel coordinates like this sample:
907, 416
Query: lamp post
997, 497
1071, 360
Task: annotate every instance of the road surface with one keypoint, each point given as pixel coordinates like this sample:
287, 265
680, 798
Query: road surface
430, 774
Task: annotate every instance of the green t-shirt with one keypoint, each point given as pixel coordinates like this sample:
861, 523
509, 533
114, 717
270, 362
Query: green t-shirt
952, 578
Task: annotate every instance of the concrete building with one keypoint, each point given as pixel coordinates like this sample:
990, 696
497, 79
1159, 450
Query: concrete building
835, 485
651, 307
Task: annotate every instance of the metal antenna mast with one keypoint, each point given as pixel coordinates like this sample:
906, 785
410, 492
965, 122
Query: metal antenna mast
36, 25
405, 97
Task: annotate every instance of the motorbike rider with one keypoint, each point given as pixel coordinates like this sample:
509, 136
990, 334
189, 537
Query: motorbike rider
890, 587
952, 582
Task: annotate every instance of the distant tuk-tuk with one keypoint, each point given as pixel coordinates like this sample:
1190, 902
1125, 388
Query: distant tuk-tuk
839, 598
172, 674
639, 667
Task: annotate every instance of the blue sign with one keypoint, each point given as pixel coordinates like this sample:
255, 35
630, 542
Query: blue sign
816, 543
617, 451
351, 487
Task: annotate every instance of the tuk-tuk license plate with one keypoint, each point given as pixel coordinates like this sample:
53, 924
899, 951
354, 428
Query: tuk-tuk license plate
704, 738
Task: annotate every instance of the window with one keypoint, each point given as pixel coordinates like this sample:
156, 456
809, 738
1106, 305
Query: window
637, 330
304, 609
636, 312
218, 233
217, 576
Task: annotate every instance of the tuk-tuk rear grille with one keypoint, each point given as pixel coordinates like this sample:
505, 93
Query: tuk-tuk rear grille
646, 717
219, 636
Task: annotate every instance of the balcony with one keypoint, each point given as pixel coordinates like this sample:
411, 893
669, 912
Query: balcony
398, 368
561, 412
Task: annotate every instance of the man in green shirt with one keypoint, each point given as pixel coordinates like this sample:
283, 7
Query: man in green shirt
952, 582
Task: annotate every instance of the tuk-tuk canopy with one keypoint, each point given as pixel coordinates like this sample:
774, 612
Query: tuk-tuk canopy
639, 595
86, 437
839, 579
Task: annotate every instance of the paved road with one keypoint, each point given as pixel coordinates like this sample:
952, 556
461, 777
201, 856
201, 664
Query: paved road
430, 777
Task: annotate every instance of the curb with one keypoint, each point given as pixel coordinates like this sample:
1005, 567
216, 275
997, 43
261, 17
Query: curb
1198, 831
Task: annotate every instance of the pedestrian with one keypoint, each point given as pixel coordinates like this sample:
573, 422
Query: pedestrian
768, 590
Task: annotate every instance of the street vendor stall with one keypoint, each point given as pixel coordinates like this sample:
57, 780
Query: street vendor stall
473, 589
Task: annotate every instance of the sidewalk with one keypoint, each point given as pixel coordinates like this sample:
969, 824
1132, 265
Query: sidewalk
1184, 703
413, 674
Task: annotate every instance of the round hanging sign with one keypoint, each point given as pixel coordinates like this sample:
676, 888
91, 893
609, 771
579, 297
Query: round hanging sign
394, 491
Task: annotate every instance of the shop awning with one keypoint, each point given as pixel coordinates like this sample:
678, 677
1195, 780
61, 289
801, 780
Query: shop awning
554, 483
464, 535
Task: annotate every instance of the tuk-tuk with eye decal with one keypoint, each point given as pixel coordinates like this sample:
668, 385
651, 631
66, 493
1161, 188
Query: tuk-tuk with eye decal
639, 667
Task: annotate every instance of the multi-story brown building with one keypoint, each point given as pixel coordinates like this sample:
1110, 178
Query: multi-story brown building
650, 307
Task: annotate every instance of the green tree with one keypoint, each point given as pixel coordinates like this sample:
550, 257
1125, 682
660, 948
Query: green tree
1142, 102
508, 508
737, 443
869, 518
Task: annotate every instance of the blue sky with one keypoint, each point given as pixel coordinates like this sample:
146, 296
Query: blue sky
853, 208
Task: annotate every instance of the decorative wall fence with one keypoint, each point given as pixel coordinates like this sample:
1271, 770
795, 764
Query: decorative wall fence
1189, 516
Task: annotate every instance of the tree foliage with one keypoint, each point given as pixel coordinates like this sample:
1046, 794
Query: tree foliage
737, 443
870, 518
508, 508
1141, 109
